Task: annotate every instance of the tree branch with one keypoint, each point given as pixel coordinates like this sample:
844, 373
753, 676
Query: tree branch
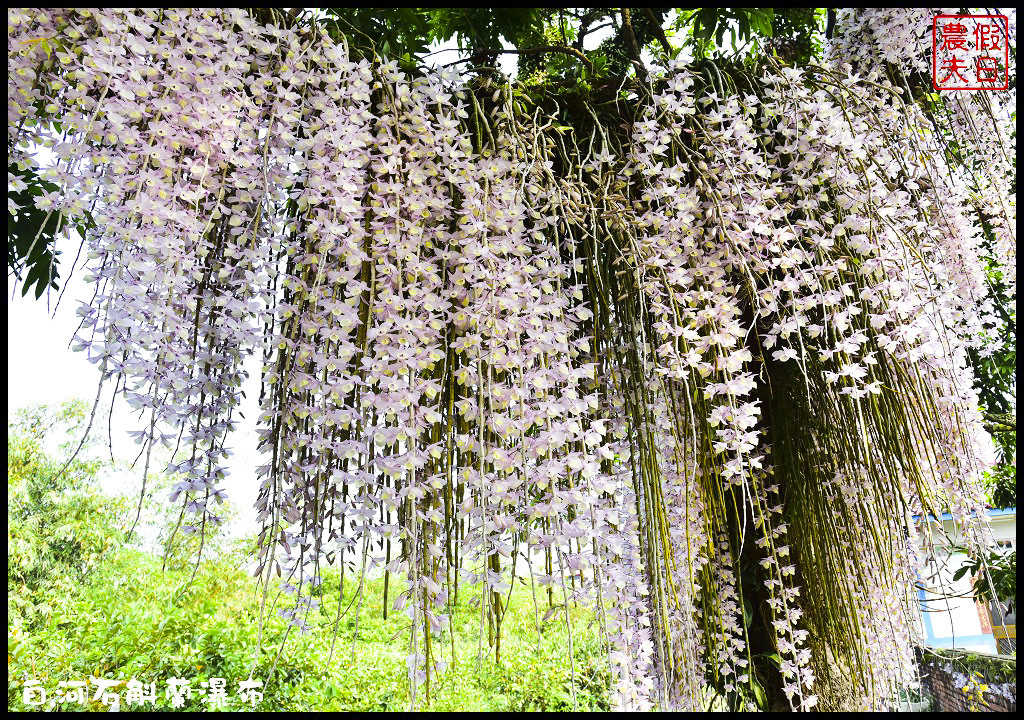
582, 33
1000, 422
629, 36
659, 32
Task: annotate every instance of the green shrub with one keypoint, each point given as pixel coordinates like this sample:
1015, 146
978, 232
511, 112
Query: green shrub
83, 602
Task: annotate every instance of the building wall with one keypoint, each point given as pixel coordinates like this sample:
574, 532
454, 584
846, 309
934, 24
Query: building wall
944, 678
959, 622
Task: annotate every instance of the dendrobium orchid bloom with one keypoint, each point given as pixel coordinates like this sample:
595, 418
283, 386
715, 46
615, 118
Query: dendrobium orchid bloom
638, 360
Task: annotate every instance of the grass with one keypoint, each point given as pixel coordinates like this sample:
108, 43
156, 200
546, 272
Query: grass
130, 620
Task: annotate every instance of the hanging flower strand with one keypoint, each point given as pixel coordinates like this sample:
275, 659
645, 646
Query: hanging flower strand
695, 371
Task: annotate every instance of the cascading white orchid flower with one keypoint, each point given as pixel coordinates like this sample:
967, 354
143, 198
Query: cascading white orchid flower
696, 374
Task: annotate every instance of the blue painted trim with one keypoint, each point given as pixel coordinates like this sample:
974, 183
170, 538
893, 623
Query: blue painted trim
993, 512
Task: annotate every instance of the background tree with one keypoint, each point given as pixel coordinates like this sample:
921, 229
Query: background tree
60, 525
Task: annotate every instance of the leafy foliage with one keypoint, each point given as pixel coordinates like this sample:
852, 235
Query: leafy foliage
483, 28
31, 251
1002, 566
83, 603
401, 33
60, 526
742, 24
796, 34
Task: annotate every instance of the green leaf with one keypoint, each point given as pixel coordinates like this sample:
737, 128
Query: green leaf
30, 234
759, 696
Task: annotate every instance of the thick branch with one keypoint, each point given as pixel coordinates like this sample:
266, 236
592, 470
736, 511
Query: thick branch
659, 31
1000, 422
630, 37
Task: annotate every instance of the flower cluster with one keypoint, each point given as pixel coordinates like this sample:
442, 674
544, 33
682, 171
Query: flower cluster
711, 361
